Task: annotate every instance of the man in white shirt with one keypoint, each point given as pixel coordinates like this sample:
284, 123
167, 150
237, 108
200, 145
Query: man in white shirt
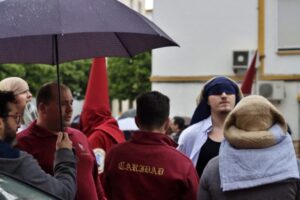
202, 139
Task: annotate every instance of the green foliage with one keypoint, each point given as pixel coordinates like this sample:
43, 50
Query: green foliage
11, 69
73, 74
128, 77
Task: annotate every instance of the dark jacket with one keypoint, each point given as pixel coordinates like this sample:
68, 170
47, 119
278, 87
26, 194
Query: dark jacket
26, 168
210, 189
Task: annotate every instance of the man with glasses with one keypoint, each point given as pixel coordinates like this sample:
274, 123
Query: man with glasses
23, 166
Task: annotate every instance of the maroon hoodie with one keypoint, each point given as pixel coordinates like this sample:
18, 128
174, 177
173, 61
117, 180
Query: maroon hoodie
149, 167
41, 144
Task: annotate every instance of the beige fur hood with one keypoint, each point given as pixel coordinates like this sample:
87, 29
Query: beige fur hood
248, 125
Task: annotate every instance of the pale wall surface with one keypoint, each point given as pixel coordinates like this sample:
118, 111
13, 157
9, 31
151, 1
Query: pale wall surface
207, 31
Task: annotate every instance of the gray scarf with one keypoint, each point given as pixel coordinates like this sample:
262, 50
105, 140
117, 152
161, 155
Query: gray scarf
246, 168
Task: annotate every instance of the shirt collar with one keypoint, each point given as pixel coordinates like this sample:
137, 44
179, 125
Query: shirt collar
152, 138
7, 151
40, 131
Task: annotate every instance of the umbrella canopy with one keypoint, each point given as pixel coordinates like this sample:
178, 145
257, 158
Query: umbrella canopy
56, 31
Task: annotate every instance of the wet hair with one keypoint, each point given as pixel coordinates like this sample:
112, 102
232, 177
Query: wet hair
46, 95
5, 98
179, 121
153, 109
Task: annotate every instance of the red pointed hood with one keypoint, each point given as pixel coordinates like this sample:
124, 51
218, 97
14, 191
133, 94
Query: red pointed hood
96, 111
249, 77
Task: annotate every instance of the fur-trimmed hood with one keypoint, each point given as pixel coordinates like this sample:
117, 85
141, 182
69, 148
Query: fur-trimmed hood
257, 149
248, 125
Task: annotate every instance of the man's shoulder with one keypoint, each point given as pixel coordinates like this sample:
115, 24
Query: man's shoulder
120, 147
76, 132
24, 135
179, 156
164, 150
196, 129
212, 169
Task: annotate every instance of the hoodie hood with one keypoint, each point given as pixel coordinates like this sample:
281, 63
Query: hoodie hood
257, 149
96, 113
248, 125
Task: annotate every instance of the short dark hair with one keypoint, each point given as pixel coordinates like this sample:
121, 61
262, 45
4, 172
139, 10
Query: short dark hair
179, 121
153, 109
5, 98
45, 93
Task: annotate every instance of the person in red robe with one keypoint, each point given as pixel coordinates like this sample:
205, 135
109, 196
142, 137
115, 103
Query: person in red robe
96, 120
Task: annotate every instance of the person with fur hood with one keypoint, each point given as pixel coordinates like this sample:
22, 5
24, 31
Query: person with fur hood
201, 140
257, 159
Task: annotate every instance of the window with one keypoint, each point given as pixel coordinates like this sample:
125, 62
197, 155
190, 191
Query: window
288, 25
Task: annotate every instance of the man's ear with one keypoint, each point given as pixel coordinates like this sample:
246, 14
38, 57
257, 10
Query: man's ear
42, 108
1, 122
166, 124
1, 127
137, 122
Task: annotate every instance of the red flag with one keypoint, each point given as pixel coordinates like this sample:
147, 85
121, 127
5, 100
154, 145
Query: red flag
249, 77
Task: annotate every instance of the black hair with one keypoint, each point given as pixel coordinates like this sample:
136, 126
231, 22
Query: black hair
5, 98
153, 109
45, 94
179, 121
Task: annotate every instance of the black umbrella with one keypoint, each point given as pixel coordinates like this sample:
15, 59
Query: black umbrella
34, 31
56, 31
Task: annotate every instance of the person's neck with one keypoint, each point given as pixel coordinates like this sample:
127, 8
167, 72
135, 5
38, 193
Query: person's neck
157, 130
218, 119
41, 123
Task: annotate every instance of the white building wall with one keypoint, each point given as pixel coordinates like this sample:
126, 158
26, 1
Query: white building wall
140, 6
290, 107
208, 32
182, 96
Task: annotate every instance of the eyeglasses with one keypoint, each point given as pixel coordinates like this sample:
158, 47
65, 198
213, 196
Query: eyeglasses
16, 117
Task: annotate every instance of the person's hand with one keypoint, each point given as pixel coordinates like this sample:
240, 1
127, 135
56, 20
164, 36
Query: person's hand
63, 141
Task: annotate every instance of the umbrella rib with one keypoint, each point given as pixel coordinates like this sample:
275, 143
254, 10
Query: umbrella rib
123, 45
